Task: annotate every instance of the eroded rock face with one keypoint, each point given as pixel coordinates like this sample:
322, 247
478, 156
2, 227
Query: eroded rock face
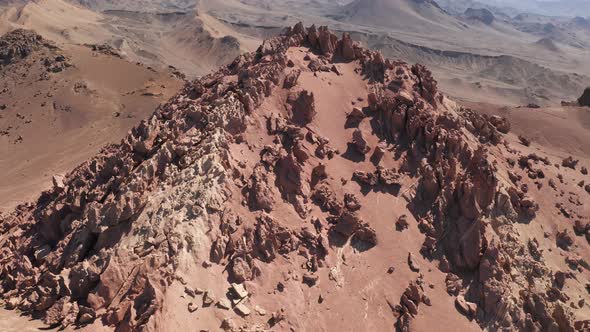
347, 47
75, 233
291, 79
459, 188
409, 304
261, 195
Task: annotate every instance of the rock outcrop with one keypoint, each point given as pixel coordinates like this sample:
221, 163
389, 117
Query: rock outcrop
480, 14
20, 43
584, 99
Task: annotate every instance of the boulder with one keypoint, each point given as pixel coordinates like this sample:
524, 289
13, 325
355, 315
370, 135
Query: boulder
291, 79
402, 223
208, 299
303, 108
325, 198
414, 266
192, 307
469, 309
239, 290
501, 123
242, 310
11, 303
224, 304
581, 227
354, 118
453, 284
240, 270
365, 178
584, 99
310, 279
569, 162
348, 223
564, 240
365, 237
359, 142
260, 195
58, 182
524, 140
351, 202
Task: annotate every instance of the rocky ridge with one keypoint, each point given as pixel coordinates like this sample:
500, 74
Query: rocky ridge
107, 242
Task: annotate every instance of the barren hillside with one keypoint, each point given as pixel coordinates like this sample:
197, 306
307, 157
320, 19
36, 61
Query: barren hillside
155, 38
311, 185
59, 106
197, 37
407, 15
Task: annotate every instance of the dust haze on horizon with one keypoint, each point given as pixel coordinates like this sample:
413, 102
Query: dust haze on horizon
543, 7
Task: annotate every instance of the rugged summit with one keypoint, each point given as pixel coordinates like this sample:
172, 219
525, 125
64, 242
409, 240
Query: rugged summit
274, 184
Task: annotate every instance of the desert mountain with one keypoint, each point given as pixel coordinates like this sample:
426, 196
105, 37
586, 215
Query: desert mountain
197, 37
156, 38
480, 14
59, 106
406, 15
144, 6
310, 185
548, 44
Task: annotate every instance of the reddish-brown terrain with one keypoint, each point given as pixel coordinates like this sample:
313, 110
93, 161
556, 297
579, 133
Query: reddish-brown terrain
60, 105
314, 185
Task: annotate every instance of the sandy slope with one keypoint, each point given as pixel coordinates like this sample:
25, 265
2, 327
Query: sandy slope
69, 116
57, 20
401, 15
178, 38
561, 131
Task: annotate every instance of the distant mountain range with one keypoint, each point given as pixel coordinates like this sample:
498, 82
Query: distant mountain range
570, 8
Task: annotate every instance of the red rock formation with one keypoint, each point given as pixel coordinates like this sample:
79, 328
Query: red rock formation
107, 241
409, 304
303, 108
347, 47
